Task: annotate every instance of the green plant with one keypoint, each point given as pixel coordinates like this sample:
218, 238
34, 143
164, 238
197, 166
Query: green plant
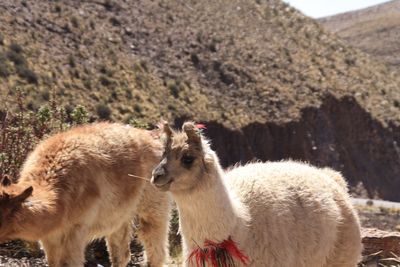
15, 57
128, 93
79, 115
45, 95
143, 64
139, 124
103, 111
58, 8
29, 75
137, 108
4, 71
174, 88
105, 81
71, 61
74, 21
87, 82
106, 70
16, 48
115, 21
44, 114
109, 4
92, 24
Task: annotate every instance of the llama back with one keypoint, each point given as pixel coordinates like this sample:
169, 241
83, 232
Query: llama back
104, 145
337, 177
285, 177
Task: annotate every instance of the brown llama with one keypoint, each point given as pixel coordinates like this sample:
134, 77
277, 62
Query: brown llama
74, 187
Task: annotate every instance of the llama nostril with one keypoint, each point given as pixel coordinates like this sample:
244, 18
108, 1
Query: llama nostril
157, 174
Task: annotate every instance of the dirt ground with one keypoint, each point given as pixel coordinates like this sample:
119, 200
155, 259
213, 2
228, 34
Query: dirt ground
384, 219
18, 254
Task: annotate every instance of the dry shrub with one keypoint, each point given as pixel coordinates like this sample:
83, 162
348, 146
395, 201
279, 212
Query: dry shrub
21, 130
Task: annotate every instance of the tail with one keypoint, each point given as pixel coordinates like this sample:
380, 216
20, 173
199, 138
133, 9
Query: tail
337, 177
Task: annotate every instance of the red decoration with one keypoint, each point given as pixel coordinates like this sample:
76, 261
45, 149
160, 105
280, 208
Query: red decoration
200, 126
218, 254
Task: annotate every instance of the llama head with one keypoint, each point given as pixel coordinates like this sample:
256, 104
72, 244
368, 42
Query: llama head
185, 159
12, 198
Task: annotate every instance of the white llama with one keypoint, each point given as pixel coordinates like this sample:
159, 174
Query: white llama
280, 214
75, 187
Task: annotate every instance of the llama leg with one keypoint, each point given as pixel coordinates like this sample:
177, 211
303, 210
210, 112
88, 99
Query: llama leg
347, 251
66, 249
153, 235
73, 247
153, 212
53, 249
118, 245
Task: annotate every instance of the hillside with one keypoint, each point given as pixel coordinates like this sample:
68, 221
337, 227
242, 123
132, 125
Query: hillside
374, 30
261, 76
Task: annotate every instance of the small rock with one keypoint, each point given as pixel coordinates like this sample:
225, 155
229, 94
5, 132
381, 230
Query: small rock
128, 31
375, 240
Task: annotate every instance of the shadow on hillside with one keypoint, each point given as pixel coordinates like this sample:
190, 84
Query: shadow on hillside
339, 134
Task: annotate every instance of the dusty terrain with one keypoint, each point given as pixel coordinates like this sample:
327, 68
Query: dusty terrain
233, 62
374, 30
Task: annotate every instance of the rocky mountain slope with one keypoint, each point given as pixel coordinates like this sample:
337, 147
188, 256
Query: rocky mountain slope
269, 82
375, 30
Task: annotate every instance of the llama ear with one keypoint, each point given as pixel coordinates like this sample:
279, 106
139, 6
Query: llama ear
166, 129
5, 181
164, 126
4, 197
192, 132
23, 196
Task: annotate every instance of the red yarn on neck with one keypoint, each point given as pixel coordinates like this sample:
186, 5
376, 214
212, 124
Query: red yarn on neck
218, 254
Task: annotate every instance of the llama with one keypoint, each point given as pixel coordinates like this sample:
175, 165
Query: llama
278, 214
74, 187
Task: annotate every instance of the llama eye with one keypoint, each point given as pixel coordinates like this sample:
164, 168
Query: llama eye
187, 160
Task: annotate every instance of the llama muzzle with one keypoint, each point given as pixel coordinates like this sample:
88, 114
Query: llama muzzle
160, 179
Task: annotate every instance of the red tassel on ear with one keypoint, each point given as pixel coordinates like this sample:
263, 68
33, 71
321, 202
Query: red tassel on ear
218, 254
200, 126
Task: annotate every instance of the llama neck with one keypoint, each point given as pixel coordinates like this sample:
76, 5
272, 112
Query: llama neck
210, 212
36, 216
